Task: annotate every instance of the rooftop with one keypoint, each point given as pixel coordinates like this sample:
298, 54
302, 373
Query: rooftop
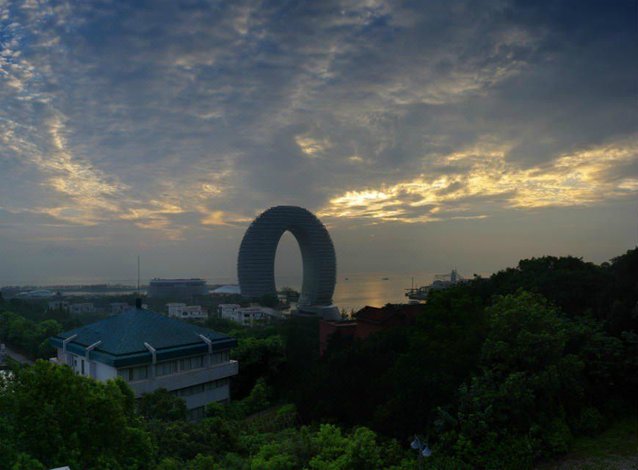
389, 312
123, 336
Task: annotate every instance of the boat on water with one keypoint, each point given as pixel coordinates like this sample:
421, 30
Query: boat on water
441, 281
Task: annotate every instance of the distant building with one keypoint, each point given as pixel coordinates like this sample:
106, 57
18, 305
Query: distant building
177, 288
118, 307
151, 351
367, 321
227, 311
183, 311
228, 290
256, 260
59, 305
373, 319
35, 294
246, 316
79, 309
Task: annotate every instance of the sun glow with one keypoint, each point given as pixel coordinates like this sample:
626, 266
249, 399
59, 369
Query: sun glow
482, 178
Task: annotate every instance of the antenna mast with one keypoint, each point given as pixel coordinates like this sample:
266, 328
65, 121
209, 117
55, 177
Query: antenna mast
138, 275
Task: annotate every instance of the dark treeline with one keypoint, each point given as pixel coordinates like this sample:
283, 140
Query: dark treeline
497, 372
27, 325
503, 372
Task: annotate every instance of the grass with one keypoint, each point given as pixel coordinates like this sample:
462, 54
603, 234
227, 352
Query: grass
619, 439
615, 448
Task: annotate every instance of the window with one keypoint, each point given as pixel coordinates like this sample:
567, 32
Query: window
131, 374
166, 368
140, 373
200, 388
221, 356
195, 362
196, 413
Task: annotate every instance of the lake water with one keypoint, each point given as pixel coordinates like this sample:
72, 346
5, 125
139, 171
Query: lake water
353, 290
356, 290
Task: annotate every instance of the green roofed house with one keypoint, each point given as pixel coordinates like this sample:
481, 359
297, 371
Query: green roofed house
151, 351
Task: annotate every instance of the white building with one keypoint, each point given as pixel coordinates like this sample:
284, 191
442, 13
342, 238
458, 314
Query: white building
82, 308
59, 305
246, 316
152, 351
186, 312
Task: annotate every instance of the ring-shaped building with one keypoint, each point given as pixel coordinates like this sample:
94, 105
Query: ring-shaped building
256, 261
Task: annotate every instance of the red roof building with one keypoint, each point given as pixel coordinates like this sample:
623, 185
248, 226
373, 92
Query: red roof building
367, 321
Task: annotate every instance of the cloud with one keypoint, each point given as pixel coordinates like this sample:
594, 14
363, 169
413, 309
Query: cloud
182, 119
482, 179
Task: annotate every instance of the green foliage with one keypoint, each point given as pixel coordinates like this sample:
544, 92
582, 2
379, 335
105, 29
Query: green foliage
268, 300
328, 448
572, 284
28, 337
394, 380
185, 440
259, 358
259, 398
161, 405
533, 383
499, 373
26, 462
202, 462
623, 293
60, 418
272, 457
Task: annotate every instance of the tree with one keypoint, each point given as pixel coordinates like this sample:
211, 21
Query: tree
530, 385
269, 300
259, 358
572, 284
162, 405
60, 418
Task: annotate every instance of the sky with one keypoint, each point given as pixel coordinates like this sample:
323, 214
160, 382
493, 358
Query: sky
425, 135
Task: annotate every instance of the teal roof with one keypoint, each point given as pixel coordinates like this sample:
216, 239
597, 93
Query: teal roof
123, 336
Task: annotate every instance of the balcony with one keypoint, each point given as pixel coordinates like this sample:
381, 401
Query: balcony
209, 396
186, 379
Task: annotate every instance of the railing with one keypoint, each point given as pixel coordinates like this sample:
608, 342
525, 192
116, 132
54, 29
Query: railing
187, 378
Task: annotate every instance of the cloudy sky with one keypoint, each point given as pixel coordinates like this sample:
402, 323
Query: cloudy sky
424, 134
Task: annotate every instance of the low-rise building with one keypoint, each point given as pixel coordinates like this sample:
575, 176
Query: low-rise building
374, 319
227, 311
59, 305
86, 307
246, 316
367, 321
186, 312
151, 351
